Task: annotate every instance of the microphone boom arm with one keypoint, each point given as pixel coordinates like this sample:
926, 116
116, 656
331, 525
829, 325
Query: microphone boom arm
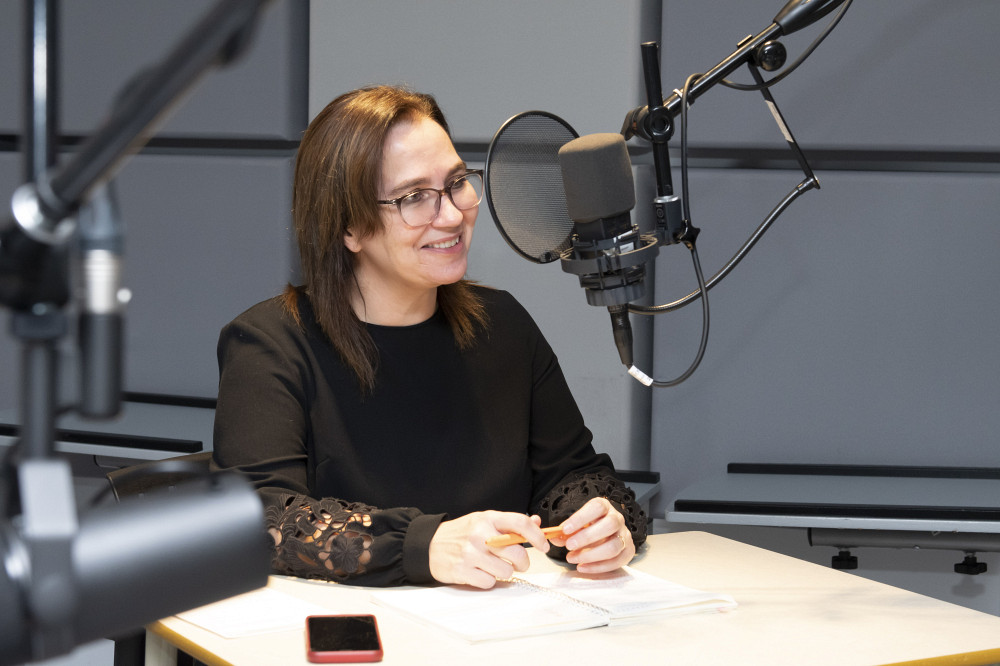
44, 610
638, 121
655, 123
795, 15
808, 183
42, 209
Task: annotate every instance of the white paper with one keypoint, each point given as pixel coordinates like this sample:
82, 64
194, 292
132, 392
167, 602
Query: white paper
544, 603
627, 593
258, 612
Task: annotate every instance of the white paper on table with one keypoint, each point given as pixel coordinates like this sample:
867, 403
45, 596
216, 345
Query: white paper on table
261, 611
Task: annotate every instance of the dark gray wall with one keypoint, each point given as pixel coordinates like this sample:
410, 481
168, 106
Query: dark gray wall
859, 330
104, 43
892, 75
207, 215
862, 328
488, 61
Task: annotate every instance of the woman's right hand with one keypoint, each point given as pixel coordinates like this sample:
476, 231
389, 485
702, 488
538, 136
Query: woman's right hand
459, 554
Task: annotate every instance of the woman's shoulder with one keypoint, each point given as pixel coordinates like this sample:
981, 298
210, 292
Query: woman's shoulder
264, 313
286, 314
504, 311
498, 300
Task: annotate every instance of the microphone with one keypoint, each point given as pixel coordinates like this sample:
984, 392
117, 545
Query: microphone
607, 251
128, 564
101, 321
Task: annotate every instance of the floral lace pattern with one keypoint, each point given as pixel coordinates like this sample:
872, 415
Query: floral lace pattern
325, 538
331, 539
574, 491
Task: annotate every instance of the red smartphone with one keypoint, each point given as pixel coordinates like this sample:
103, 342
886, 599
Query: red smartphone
342, 638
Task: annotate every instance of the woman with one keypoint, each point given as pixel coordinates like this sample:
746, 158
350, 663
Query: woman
393, 415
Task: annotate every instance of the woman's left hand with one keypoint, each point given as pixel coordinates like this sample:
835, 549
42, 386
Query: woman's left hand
597, 538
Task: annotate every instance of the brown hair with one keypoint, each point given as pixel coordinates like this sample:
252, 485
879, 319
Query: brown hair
337, 174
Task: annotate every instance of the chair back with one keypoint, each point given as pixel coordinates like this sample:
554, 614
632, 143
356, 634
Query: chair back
144, 477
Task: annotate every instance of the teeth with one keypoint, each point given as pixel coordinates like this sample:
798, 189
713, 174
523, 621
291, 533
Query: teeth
445, 245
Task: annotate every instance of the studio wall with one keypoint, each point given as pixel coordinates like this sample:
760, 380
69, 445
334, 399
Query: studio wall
205, 206
861, 328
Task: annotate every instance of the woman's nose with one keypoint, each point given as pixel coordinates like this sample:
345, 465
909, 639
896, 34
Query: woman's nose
448, 213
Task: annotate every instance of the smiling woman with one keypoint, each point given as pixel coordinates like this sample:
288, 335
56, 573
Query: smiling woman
393, 415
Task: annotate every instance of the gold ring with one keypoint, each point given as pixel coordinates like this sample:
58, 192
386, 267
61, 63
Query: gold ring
622, 539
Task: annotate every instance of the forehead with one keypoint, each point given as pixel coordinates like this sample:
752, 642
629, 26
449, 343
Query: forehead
417, 152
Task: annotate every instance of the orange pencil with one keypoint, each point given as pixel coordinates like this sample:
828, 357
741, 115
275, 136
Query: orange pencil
511, 539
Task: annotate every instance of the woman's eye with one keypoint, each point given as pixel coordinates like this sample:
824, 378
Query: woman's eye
415, 198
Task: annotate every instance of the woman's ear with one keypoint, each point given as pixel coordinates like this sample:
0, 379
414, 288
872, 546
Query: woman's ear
351, 242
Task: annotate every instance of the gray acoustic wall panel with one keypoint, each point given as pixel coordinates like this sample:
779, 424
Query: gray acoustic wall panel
860, 330
903, 75
11, 59
207, 238
486, 61
104, 43
860, 327
207, 219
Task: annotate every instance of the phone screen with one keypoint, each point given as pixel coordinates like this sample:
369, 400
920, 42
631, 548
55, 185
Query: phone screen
343, 637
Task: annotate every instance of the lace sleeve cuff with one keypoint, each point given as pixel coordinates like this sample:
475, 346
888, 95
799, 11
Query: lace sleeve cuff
349, 542
576, 489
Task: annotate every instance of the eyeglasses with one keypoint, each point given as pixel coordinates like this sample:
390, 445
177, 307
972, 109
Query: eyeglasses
419, 207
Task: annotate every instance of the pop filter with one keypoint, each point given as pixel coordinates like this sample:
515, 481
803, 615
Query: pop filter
524, 185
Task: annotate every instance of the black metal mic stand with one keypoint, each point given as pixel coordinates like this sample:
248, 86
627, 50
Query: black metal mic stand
37, 504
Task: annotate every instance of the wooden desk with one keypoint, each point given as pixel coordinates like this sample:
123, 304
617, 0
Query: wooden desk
790, 612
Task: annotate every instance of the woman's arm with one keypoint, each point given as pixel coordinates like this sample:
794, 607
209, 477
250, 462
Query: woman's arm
261, 431
348, 542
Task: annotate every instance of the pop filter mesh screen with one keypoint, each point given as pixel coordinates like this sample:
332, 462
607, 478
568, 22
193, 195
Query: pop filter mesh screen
524, 187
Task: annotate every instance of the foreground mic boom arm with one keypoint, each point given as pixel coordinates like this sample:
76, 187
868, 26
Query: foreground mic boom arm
62, 581
43, 210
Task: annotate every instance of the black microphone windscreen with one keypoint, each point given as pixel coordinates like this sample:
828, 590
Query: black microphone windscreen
597, 177
524, 185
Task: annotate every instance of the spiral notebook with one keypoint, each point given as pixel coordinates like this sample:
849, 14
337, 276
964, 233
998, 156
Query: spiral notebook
533, 604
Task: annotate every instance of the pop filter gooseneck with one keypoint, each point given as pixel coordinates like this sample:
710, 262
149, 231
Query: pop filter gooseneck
524, 185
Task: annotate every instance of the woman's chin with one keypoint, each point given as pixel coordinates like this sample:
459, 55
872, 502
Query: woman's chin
450, 274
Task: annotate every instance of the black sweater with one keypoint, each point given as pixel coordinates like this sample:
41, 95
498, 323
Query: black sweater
355, 485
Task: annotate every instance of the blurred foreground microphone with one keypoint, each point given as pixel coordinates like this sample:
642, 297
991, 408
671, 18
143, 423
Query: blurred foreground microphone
101, 324
128, 564
607, 251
